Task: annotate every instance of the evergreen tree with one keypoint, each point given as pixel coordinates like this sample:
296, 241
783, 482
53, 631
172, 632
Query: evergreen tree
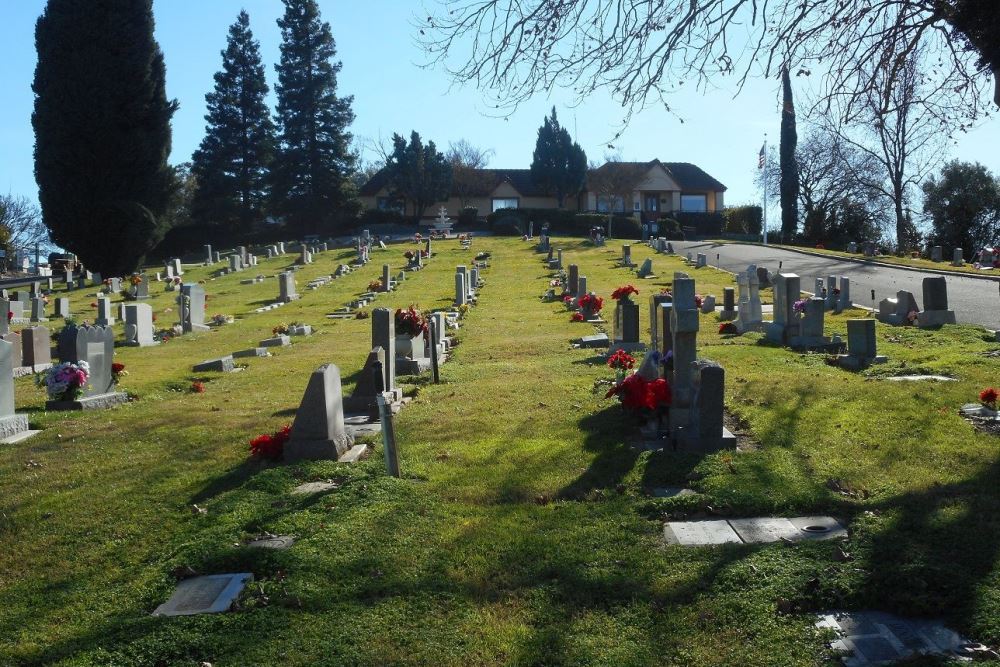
231, 164
311, 175
102, 131
963, 206
558, 164
418, 173
789, 167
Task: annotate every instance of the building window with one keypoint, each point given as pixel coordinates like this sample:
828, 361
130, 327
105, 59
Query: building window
389, 204
694, 203
505, 202
607, 203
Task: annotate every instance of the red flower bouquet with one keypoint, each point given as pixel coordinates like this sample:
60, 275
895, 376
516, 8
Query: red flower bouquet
410, 322
728, 328
197, 387
576, 317
270, 446
988, 397
621, 361
623, 292
637, 393
591, 303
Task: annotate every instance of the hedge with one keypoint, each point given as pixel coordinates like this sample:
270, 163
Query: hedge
514, 222
746, 219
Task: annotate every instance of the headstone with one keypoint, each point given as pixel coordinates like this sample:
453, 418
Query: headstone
684, 326
627, 255
574, 280
61, 307
626, 328
362, 400
654, 318
178, 270
38, 310
896, 311
384, 402
811, 325
844, 300
386, 278
68, 278
384, 336
852, 247
936, 253
318, 431
861, 345
935, 312
786, 321
221, 365
305, 257
707, 432
708, 304
142, 287
216, 257
212, 594
104, 317
728, 311
646, 270
461, 291
11, 424
286, 287
763, 276
701, 260
209, 257
957, 259
96, 346
36, 348
235, 263
139, 325
192, 307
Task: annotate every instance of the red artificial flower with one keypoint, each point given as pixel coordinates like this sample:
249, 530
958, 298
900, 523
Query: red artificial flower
93, 304
591, 302
637, 393
568, 298
988, 397
198, 388
576, 317
117, 367
270, 446
624, 291
697, 300
659, 393
10, 315
621, 360
728, 328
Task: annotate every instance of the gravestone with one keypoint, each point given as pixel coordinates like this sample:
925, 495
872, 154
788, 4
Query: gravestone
861, 345
763, 276
318, 431
12, 426
209, 257
142, 287
646, 270
384, 336
178, 270
706, 431
701, 260
581, 285
192, 307
221, 365
461, 291
896, 311
684, 324
104, 317
574, 280
212, 594
286, 287
935, 312
38, 310
217, 257
844, 299
811, 326
852, 247
36, 348
96, 346
832, 293
957, 259
139, 325
627, 255
708, 304
61, 307
362, 400
242, 252
786, 321
68, 279
386, 279
654, 317
305, 257
281, 247
728, 311
665, 334
626, 327
235, 263
751, 310
936, 253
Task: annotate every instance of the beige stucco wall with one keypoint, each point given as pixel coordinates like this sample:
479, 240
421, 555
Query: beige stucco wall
657, 179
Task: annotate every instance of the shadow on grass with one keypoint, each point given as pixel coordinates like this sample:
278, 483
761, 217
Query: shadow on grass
229, 481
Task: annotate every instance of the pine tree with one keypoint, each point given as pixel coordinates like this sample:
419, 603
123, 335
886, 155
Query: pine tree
558, 164
311, 180
231, 165
102, 131
418, 173
789, 167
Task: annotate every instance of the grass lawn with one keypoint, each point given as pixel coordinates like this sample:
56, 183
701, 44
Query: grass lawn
908, 262
523, 531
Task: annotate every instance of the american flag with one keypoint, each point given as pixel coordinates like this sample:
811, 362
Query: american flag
760, 156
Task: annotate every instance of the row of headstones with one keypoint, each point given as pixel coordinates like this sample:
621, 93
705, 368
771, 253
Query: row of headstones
936, 253
901, 310
644, 271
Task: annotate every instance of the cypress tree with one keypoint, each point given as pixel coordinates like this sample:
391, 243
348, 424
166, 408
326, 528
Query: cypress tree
418, 173
789, 167
558, 164
232, 162
102, 131
311, 181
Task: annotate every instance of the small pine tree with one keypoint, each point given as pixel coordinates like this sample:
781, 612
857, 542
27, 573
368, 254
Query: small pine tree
102, 131
232, 162
558, 164
311, 174
789, 167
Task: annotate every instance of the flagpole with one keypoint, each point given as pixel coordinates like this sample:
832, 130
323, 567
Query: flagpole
764, 203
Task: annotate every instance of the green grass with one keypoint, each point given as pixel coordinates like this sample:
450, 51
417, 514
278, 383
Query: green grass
522, 532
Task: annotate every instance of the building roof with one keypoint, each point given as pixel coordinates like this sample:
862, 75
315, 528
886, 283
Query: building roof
687, 175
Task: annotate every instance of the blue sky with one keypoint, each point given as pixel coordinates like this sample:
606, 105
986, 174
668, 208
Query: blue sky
392, 93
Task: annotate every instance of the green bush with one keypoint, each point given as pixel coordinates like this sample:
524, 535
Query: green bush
468, 216
622, 226
670, 229
703, 224
506, 224
376, 216
745, 219
560, 221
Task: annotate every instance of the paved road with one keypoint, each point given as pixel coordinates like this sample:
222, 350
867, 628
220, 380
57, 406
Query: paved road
974, 300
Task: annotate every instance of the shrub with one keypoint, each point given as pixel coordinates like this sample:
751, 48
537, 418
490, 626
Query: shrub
375, 216
670, 229
704, 224
745, 219
507, 225
468, 216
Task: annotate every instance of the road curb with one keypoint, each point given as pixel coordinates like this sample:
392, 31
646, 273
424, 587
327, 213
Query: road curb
937, 272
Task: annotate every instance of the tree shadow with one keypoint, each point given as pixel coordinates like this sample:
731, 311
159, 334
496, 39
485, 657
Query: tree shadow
229, 481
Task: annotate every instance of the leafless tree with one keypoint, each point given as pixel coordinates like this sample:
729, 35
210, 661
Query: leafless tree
21, 226
641, 51
906, 139
615, 179
468, 176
